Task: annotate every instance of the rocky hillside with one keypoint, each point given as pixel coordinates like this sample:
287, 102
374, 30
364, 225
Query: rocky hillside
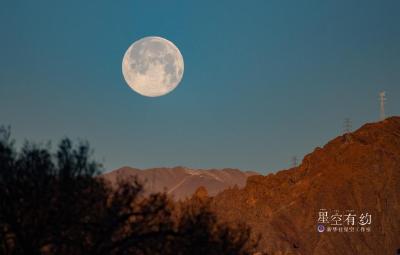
182, 182
356, 177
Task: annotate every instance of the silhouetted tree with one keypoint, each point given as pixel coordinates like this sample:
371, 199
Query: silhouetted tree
57, 204
199, 227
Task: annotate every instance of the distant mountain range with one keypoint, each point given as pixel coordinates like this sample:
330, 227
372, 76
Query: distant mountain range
181, 182
309, 209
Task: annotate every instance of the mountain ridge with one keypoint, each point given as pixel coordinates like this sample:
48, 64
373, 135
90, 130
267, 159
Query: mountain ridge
182, 182
357, 171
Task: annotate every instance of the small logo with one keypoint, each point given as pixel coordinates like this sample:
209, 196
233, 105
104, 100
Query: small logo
321, 228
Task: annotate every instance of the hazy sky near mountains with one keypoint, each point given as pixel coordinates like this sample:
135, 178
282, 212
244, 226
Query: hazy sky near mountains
264, 80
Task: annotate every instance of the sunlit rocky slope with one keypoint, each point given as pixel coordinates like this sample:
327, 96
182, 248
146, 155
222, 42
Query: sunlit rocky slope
358, 171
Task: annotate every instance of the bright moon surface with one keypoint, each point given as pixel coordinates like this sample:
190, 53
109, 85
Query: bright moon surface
153, 66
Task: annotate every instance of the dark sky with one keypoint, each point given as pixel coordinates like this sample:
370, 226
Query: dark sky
263, 81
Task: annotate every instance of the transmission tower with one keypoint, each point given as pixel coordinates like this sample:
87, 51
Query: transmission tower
294, 161
382, 98
347, 125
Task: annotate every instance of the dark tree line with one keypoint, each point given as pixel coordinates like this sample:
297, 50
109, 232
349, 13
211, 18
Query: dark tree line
55, 203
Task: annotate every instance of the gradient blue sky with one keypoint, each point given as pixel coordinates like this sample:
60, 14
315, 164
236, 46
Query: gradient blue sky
264, 80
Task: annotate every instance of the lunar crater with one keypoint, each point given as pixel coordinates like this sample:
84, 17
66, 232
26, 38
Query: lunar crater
153, 66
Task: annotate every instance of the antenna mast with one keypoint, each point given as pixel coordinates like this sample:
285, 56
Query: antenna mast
382, 97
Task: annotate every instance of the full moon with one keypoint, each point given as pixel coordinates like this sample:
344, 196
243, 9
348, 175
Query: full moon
153, 66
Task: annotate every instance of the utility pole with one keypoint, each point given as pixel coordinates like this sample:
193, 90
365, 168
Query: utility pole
382, 98
347, 125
